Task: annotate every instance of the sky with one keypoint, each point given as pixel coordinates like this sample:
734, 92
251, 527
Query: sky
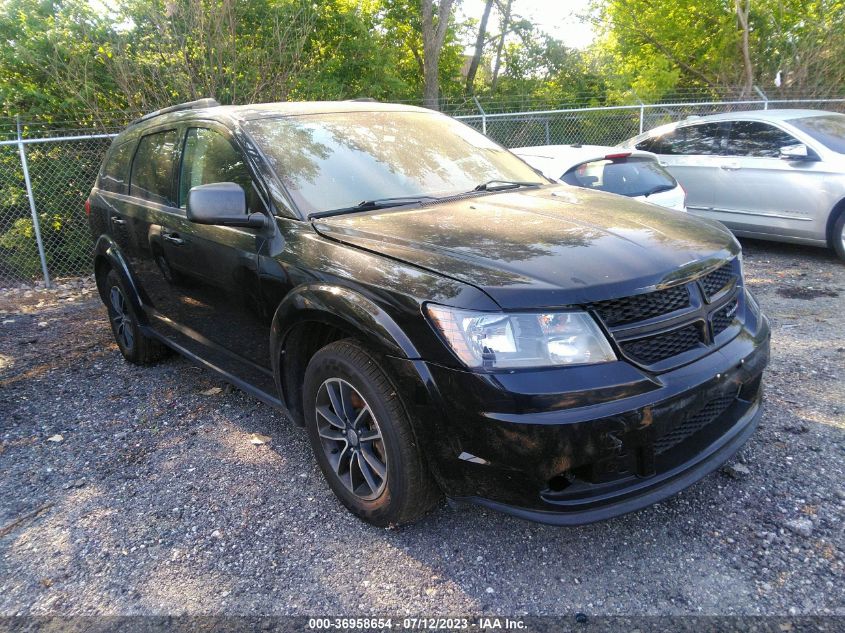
558, 18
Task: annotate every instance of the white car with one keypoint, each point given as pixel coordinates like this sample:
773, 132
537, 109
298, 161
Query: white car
627, 172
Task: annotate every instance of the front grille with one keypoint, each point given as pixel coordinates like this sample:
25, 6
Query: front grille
693, 424
662, 346
641, 307
715, 282
723, 317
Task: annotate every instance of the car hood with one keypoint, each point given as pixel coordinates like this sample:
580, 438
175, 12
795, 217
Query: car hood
544, 247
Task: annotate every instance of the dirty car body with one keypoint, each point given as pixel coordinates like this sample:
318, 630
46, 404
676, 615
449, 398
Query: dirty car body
660, 296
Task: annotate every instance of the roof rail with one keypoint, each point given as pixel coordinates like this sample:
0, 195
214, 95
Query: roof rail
190, 105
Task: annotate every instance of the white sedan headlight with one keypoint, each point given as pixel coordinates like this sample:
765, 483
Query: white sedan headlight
501, 340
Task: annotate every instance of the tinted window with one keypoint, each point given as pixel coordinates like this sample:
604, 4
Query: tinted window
336, 160
754, 138
827, 129
633, 176
210, 157
689, 139
116, 168
152, 169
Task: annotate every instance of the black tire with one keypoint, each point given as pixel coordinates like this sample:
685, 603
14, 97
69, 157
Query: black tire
407, 490
838, 236
135, 347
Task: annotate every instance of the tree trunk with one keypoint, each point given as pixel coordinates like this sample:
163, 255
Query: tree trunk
479, 47
743, 8
506, 18
433, 37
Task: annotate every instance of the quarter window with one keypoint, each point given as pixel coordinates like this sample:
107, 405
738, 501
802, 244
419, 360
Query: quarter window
152, 169
754, 138
210, 157
703, 139
116, 168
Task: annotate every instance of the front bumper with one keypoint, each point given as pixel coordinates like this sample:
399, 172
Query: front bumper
569, 446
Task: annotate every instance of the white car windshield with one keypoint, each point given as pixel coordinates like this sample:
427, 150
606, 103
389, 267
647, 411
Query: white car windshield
338, 160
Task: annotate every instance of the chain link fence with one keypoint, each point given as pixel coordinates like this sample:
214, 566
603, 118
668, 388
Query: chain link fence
611, 125
44, 231
44, 183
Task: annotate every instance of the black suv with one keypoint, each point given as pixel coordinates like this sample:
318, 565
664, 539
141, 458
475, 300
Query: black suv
438, 316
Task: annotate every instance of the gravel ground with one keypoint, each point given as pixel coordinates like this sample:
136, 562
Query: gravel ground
127, 490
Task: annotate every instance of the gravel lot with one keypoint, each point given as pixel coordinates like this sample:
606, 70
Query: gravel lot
155, 500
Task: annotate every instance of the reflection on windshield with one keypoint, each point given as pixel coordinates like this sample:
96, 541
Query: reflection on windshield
337, 160
827, 129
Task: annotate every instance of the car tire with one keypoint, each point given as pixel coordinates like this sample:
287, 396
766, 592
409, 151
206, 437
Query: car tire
838, 236
362, 437
133, 344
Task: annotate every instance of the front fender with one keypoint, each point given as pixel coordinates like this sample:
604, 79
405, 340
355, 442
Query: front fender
342, 308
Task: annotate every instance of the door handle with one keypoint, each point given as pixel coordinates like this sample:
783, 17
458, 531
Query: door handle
729, 166
173, 238
117, 220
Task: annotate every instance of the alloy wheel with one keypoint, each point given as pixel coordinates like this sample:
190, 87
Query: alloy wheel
121, 319
351, 438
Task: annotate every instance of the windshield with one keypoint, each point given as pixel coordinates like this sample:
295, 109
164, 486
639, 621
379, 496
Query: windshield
827, 129
338, 160
630, 176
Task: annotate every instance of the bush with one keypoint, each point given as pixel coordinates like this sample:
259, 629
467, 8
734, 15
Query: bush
67, 246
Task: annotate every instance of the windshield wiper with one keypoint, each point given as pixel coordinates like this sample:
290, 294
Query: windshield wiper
370, 205
501, 185
658, 189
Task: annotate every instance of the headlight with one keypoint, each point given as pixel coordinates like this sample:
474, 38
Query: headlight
500, 340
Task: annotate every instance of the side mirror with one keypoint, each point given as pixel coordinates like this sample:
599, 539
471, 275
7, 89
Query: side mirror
798, 151
222, 204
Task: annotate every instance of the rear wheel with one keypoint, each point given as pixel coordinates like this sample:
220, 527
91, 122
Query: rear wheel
362, 437
134, 345
839, 235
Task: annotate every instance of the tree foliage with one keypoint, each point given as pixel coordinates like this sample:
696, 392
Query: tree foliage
665, 46
68, 60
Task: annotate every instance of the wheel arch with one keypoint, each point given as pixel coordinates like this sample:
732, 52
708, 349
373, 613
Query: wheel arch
835, 213
315, 315
108, 256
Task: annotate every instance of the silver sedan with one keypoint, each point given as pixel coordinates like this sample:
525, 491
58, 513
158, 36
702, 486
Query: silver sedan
769, 174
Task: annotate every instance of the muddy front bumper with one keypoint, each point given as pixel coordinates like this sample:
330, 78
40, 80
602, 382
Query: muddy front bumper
575, 445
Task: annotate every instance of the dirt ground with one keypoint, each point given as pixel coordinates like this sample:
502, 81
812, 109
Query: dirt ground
128, 490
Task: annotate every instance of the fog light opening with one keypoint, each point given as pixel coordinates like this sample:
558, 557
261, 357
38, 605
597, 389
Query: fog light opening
560, 482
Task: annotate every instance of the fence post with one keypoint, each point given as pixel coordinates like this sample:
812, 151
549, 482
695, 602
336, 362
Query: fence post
36, 226
483, 115
642, 115
764, 97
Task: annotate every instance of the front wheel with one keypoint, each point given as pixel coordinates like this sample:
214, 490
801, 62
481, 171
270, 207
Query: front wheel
839, 235
362, 437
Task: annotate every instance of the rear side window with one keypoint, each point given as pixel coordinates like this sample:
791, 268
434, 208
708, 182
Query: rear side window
631, 176
116, 168
704, 139
152, 169
755, 138
210, 157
